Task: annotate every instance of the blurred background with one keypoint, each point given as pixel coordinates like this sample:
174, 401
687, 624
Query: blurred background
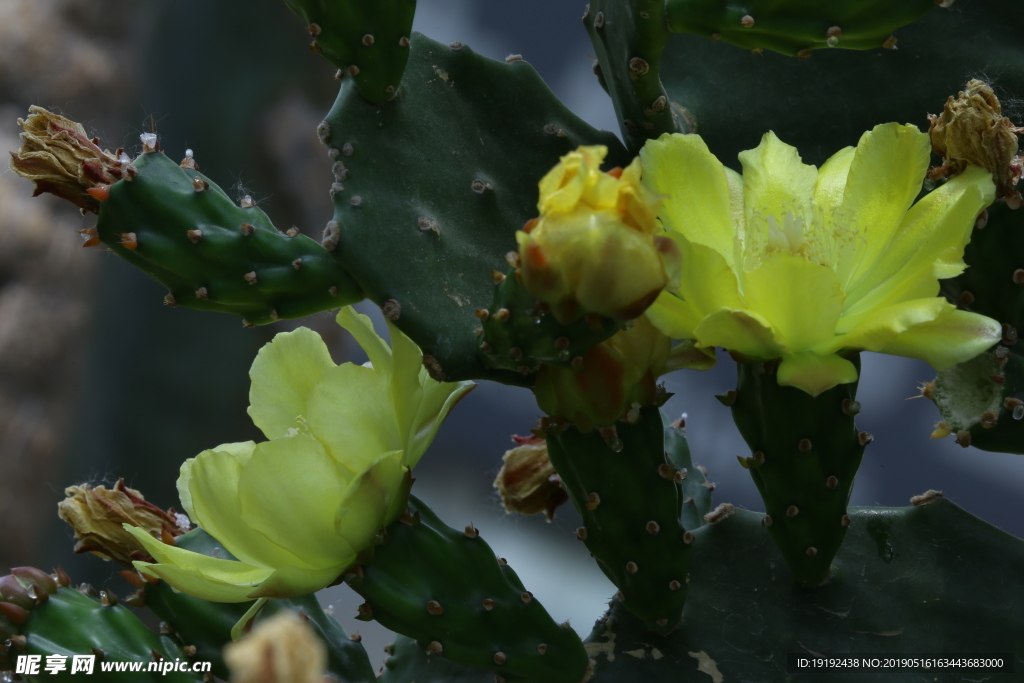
98, 380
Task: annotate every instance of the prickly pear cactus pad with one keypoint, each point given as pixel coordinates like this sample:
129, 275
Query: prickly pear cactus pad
43, 615
630, 498
213, 254
369, 41
628, 38
796, 28
446, 589
741, 623
805, 453
422, 241
827, 101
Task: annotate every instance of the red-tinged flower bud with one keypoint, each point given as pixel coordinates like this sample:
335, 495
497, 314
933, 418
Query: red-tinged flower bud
596, 247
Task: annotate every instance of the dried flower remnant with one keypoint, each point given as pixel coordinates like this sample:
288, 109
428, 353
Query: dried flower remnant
96, 514
527, 482
972, 131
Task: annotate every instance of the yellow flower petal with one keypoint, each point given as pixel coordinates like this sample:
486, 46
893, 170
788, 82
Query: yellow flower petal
775, 180
697, 189
800, 299
879, 328
361, 327
293, 582
289, 492
368, 499
831, 183
929, 241
706, 281
885, 177
813, 373
283, 375
197, 584
419, 402
744, 331
673, 316
351, 413
956, 338
212, 481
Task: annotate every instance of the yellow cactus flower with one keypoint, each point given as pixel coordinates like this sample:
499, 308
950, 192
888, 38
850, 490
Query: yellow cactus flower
804, 264
596, 247
297, 509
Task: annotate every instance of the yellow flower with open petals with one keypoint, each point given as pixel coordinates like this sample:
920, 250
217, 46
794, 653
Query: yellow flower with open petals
297, 510
596, 247
804, 264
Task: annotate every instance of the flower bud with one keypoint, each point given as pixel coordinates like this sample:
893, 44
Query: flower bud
97, 514
281, 649
596, 246
527, 482
615, 374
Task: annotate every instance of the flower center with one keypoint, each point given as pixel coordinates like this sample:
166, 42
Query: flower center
806, 231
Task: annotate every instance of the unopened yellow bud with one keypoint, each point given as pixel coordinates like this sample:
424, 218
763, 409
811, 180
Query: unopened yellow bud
596, 247
615, 375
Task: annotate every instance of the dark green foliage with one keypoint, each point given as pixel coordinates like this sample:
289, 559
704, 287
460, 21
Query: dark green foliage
628, 37
794, 26
65, 621
805, 455
446, 589
435, 184
213, 254
630, 498
931, 579
828, 101
207, 625
519, 333
367, 39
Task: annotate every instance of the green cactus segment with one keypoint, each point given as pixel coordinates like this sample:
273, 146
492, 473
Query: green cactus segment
182, 230
805, 454
630, 498
982, 401
628, 38
796, 27
519, 333
903, 576
696, 487
470, 137
993, 283
369, 41
827, 102
409, 661
207, 625
58, 620
446, 589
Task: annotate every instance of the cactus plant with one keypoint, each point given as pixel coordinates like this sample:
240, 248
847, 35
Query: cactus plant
443, 163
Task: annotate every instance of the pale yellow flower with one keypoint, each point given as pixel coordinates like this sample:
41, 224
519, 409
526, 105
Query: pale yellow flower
804, 264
